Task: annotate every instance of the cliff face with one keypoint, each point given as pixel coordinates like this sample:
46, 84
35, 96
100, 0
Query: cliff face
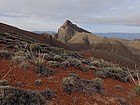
68, 30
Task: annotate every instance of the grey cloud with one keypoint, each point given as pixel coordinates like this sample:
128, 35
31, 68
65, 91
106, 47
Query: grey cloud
124, 12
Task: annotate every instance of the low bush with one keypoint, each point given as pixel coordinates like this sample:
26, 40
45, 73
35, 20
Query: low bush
38, 82
53, 63
113, 72
35, 47
83, 68
21, 61
43, 70
48, 57
100, 63
74, 62
21, 46
64, 64
91, 86
5, 54
20, 53
10, 46
58, 58
24, 65
48, 94
137, 90
4, 82
73, 83
18, 59
64, 55
123, 101
84, 61
36, 59
91, 68
16, 96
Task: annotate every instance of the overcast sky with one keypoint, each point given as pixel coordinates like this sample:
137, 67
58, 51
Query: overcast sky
93, 15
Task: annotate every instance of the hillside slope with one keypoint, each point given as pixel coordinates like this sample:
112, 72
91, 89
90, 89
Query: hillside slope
64, 78
10, 33
84, 40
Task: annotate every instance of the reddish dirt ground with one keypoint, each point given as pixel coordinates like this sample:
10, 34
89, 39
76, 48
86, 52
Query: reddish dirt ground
28, 77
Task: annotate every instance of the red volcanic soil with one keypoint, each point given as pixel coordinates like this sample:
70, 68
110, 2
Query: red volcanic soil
28, 77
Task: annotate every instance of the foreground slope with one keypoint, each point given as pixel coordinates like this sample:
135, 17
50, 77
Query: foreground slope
65, 79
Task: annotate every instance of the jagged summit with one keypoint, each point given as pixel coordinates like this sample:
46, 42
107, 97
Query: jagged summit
75, 27
68, 23
68, 30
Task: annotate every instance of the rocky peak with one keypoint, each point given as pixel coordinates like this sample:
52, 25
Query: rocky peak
68, 30
68, 23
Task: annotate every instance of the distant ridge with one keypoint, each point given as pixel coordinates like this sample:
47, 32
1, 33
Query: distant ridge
129, 36
42, 32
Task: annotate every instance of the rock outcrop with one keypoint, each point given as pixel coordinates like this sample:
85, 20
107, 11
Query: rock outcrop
68, 30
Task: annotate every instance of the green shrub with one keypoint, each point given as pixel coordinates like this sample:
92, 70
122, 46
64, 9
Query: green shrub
70, 84
21, 46
24, 65
58, 58
64, 64
53, 63
35, 47
48, 57
20, 53
83, 68
36, 59
74, 62
18, 59
74, 83
5, 54
91, 68
21, 61
100, 63
113, 72
48, 94
16, 96
123, 101
44, 71
4, 82
84, 61
95, 85
137, 90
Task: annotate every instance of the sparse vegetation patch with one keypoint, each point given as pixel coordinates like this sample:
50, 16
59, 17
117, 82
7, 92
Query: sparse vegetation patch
74, 83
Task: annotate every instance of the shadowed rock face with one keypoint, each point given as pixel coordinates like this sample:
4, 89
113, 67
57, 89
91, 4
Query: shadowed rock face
68, 30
